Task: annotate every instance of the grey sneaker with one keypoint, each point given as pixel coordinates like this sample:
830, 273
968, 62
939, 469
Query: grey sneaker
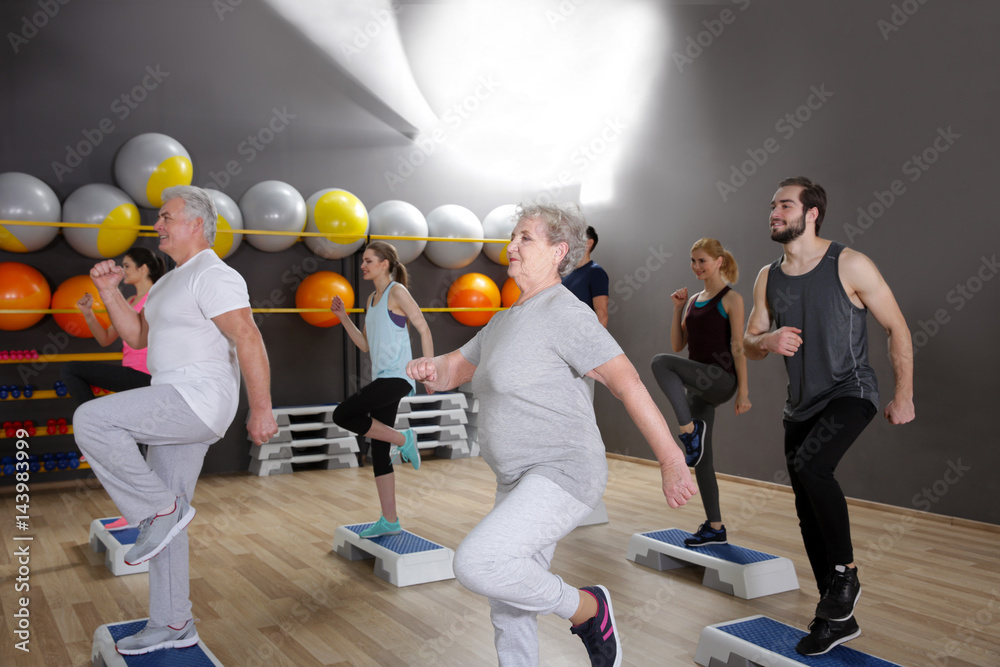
153, 639
156, 532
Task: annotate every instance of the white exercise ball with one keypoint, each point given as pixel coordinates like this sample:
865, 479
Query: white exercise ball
453, 221
399, 218
499, 224
24, 197
229, 218
273, 206
105, 205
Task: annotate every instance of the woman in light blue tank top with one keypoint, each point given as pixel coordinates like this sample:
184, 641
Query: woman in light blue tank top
372, 411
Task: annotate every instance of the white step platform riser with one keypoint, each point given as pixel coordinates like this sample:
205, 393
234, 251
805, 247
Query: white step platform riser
104, 541
401, 570
269, 452
764, 642
598, 516
103, 653
747, 581
284, 466
433, 402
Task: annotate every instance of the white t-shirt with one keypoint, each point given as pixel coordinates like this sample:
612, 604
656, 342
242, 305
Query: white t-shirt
186, 349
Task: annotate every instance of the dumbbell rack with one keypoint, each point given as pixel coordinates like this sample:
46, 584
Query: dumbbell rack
56, 456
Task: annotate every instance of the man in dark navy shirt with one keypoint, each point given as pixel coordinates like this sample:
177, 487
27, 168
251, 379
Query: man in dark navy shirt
589, 281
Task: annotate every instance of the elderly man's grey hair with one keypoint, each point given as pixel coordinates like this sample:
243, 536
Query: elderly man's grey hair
197, 204
562, 224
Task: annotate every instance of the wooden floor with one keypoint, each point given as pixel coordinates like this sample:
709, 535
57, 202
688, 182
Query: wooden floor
268, 590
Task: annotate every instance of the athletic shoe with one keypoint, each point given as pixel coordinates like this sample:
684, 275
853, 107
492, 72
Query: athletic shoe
706, 535
824, 635
841, 596
156, 532
600, 634
693, 443
154, 639
117, 524
381, 527
409, 451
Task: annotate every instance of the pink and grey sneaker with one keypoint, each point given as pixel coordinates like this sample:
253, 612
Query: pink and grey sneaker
600, 634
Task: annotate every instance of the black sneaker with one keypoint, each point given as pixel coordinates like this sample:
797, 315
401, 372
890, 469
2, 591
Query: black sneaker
599, 634
842, 592
824, 635
706, 535
693, 443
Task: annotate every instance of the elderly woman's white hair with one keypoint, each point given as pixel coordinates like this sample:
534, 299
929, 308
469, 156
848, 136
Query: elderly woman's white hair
197, 204
562, 224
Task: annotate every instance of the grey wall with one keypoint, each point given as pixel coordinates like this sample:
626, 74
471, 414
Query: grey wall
887, 101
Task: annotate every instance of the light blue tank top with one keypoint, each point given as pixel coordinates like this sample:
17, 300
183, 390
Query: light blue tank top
388, 342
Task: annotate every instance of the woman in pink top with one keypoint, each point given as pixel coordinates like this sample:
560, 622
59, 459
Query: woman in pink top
142, 269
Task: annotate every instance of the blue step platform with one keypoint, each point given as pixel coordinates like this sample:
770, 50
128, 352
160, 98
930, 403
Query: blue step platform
761, 641
402, 560
115, 544
103, 653
730, 569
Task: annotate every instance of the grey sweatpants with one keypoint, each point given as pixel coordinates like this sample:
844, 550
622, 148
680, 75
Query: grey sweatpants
506, 558
106, 431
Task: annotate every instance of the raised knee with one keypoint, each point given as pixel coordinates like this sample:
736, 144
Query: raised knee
473, 568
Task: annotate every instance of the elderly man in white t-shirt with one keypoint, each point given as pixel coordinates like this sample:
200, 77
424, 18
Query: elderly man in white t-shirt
200, 333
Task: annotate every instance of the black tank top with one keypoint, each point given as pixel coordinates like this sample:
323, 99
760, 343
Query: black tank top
709, 334
833, 359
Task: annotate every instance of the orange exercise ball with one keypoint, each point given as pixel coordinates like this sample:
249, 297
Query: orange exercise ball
510, 293
317, 291
473, 290
67, 294
22, 287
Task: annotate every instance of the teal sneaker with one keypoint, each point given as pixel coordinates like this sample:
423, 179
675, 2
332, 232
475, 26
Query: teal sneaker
409, 451
380, 528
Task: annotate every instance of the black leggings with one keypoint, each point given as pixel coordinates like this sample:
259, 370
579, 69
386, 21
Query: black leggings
79, 375
813, 448
377, 400
694, 390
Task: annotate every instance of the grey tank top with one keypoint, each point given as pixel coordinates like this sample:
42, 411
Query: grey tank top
833, 359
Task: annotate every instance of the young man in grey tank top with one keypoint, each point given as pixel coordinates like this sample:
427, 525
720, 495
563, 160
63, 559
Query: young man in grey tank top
818, 296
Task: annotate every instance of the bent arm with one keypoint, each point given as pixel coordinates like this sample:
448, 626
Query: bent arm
864, 278
620, 376
441, 373
755, 339
130, 325
678, 328
238, 326
733, 303
601, 308
356, 335
404, 300
104, 337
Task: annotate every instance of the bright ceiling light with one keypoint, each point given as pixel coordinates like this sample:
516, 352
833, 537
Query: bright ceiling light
529, 91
